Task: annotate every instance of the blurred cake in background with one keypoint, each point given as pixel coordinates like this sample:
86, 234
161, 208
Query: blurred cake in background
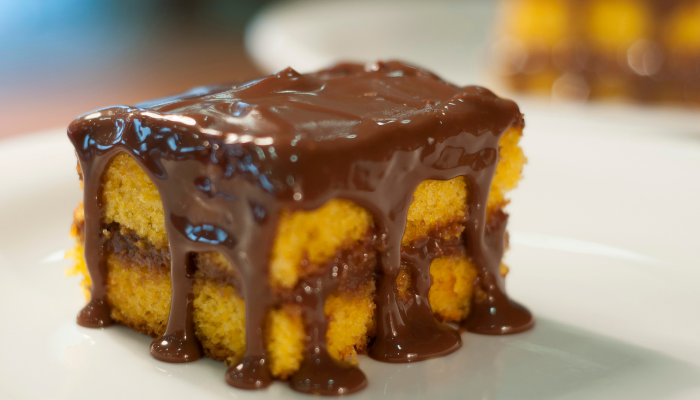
645, 50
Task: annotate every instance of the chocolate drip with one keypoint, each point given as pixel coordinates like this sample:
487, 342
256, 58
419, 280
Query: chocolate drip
226, 163
251, 256
407, 332
319, 373
415, 334
178, 344
495, 314
96, 313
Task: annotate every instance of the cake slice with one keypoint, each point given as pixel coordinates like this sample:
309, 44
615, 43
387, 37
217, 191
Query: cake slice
642, 50
290, 223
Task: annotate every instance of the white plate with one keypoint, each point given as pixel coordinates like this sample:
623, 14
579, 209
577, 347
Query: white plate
604, 252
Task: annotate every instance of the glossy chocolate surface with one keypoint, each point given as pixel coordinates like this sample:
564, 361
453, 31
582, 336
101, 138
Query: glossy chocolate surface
227, 160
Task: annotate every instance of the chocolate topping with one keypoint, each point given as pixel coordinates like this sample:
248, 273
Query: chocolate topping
228, 161
319, 373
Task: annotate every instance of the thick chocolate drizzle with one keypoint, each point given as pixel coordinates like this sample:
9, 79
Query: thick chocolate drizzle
319, 373
226, 162
96, 313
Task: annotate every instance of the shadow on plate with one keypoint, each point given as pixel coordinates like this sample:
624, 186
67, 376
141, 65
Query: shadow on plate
552, 361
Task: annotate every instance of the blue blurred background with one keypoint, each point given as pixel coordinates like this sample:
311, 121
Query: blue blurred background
61, 58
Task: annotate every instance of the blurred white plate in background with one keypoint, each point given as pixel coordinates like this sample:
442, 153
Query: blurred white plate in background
446, 36
450, 38
603, 250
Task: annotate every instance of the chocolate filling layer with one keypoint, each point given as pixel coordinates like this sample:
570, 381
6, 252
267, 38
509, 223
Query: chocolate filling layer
353, 265
128, 247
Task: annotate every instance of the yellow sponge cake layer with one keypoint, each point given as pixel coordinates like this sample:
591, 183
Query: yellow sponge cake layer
139, 297
139, 292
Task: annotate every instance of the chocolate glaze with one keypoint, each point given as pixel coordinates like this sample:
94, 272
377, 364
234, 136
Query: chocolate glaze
96, 313
319, 373
227, 162
415, 334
